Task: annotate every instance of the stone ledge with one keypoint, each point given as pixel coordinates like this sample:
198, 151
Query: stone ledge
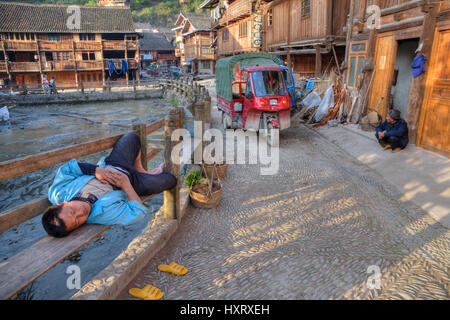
108, 284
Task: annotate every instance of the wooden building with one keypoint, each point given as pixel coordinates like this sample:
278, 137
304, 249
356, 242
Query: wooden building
48, 39
155, 47
382, 48
239, 25
309, 35
194, 38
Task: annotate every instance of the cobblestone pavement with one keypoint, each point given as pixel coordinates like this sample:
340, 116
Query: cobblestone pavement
309, 232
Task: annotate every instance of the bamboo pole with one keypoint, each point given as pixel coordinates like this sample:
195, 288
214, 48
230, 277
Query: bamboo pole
141, 131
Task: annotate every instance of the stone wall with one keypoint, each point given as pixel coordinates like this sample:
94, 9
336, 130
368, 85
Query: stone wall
78, 97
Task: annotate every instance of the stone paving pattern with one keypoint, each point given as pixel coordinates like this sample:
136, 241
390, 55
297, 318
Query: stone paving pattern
309, 232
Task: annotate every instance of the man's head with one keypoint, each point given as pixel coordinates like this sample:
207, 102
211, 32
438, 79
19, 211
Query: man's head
59, 220
393, 116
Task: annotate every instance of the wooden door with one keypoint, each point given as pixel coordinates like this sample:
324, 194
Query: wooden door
385, 53
434, 125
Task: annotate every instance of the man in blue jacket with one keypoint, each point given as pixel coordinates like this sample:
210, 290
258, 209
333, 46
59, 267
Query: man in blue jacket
107, 193
393, 133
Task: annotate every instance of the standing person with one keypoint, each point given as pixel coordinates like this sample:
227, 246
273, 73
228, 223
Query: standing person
53, 86
45, 84
393, 133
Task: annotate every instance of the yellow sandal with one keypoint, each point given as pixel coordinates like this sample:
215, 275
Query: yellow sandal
149, 292
173, 268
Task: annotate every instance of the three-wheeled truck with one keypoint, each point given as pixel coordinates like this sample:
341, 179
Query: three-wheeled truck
252, 92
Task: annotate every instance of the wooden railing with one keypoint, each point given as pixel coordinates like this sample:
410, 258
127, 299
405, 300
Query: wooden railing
3, 66
89, 65
88, 45
236, 10
59, 65
26, 266
24, 67
20, 45
113, 45
55, 45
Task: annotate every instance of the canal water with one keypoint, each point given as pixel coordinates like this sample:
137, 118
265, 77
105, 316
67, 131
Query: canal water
32, 130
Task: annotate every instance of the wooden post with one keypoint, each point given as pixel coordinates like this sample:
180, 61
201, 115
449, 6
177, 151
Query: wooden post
82, 86
141, 131
172, 197
318, 72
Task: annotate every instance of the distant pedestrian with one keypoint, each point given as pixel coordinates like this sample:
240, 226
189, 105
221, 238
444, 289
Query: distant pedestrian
52, 86
393, 133
45, 84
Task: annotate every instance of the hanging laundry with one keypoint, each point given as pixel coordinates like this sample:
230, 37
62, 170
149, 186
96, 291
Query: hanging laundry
111, 67
124, 64
418, 65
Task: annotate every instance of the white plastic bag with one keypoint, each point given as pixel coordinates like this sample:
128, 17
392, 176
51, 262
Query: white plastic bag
325, 105
4, 114
311, 100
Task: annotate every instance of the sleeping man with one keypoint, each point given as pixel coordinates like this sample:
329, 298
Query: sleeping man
107, 193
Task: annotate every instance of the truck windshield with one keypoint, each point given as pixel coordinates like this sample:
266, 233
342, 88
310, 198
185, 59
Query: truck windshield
268, 83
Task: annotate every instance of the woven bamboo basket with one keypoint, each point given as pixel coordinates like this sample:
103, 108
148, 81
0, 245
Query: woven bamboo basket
200, 195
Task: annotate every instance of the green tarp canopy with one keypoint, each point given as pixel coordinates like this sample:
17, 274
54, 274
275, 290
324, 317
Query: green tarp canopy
225, 68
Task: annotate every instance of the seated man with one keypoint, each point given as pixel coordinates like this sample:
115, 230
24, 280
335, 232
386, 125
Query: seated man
393, 133
105, 194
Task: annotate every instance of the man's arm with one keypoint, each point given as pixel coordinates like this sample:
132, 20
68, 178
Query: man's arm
121, 180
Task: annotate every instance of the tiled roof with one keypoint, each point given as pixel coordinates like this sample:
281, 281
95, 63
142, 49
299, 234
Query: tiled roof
19, 17
154, 41
199, 21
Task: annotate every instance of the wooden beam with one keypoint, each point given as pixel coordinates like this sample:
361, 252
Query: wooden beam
318, 69
19, 271
22, 213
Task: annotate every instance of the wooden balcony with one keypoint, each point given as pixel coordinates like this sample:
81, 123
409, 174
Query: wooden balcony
20, 46
120, 45
59, 65
88, 45
237, 10
113, 45
3, 66
89, 65
56, 45
24, 67
166, 57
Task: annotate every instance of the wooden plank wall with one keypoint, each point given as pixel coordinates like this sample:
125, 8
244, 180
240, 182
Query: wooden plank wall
341, 9
234, 42
434, 126
312, 26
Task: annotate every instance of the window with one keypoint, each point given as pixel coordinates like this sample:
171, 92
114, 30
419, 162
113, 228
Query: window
358, 47
87, 37
206, 50
88, 78
66, 56
82, 77
94, 77
356, 66
269, 18
243, 29
225, 35
306, 7
53, 37
268, 83
206, 65
88, 56
6, 36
